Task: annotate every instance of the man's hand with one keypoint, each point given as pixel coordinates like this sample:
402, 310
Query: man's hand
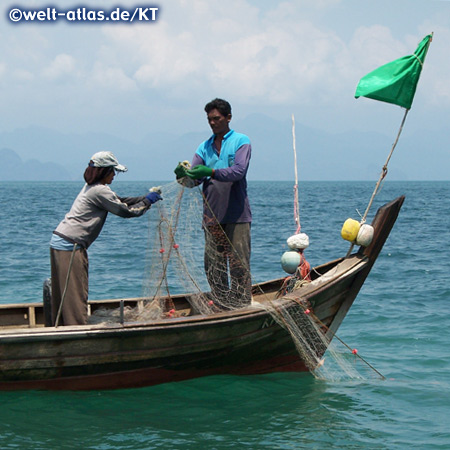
180, 170
198, 172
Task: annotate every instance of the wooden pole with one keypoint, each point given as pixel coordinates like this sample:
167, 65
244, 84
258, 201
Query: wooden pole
383, 174
384, 170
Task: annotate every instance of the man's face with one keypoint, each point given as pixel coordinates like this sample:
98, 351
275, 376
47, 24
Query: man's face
218, 122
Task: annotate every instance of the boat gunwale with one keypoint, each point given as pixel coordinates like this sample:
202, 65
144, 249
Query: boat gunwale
357, 263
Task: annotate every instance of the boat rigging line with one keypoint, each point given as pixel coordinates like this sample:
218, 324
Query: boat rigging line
383, 174
296, 204
309, 312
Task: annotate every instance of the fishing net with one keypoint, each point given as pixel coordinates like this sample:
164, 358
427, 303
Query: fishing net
326, 359
186, 256
199, 263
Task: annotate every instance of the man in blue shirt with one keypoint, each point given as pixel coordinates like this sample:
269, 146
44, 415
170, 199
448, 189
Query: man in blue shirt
221, 164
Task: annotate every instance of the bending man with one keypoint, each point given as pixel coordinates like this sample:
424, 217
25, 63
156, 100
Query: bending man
79, 229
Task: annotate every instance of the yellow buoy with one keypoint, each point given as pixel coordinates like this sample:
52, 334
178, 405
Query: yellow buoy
350, 230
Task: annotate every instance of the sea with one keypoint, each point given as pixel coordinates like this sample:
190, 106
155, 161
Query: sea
399, 323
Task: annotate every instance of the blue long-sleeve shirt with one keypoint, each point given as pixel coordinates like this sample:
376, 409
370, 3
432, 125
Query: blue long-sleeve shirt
226, 193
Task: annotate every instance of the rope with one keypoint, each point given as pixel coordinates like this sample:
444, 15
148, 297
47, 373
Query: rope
296, 206
320, 323
172, 232
358, 355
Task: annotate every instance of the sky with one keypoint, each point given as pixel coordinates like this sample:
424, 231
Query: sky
275, 58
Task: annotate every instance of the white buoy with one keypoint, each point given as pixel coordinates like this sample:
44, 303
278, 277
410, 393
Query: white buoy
298, 241
365, 235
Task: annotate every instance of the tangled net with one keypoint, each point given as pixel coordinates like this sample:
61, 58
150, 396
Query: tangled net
178, 247
326, 359
186, 257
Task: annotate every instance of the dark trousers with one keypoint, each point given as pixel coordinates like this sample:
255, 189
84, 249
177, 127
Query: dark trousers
227, 264
74, 309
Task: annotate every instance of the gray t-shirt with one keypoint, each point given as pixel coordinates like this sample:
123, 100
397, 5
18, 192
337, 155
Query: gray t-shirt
83, 223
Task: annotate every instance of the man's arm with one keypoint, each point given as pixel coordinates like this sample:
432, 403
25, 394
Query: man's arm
131, 200
109, 201
197, 160
239, 169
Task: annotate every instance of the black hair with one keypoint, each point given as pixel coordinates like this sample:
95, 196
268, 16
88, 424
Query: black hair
93, 175
221, 105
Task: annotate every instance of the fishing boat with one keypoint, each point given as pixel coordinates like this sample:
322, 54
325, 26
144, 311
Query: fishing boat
185, 344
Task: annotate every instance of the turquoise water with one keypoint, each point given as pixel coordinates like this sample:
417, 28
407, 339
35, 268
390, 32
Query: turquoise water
400, 323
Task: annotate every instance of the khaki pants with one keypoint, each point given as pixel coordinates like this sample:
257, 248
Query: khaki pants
227, 264
74, 310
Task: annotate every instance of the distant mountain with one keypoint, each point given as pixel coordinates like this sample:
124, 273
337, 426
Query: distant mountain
12, 168
36, 153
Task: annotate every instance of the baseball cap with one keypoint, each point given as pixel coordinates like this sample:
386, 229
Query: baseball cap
106, 159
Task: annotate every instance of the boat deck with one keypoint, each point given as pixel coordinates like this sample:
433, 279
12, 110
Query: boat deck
28, 316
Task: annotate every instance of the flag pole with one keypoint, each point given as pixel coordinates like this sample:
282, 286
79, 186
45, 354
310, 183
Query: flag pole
383, 174
384, 169
385, 84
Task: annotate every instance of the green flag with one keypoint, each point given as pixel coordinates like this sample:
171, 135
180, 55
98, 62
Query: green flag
396, 81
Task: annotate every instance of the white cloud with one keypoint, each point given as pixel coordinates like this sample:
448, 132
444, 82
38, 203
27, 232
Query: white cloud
111, 78
22, 75
375, 45
437, 68
165, 57
272, 55
266, 55
61, 66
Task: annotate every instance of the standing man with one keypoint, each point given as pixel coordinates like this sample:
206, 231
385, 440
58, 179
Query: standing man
221, 164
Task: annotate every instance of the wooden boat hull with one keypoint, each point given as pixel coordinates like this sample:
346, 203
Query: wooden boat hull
138, 356
242, 342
